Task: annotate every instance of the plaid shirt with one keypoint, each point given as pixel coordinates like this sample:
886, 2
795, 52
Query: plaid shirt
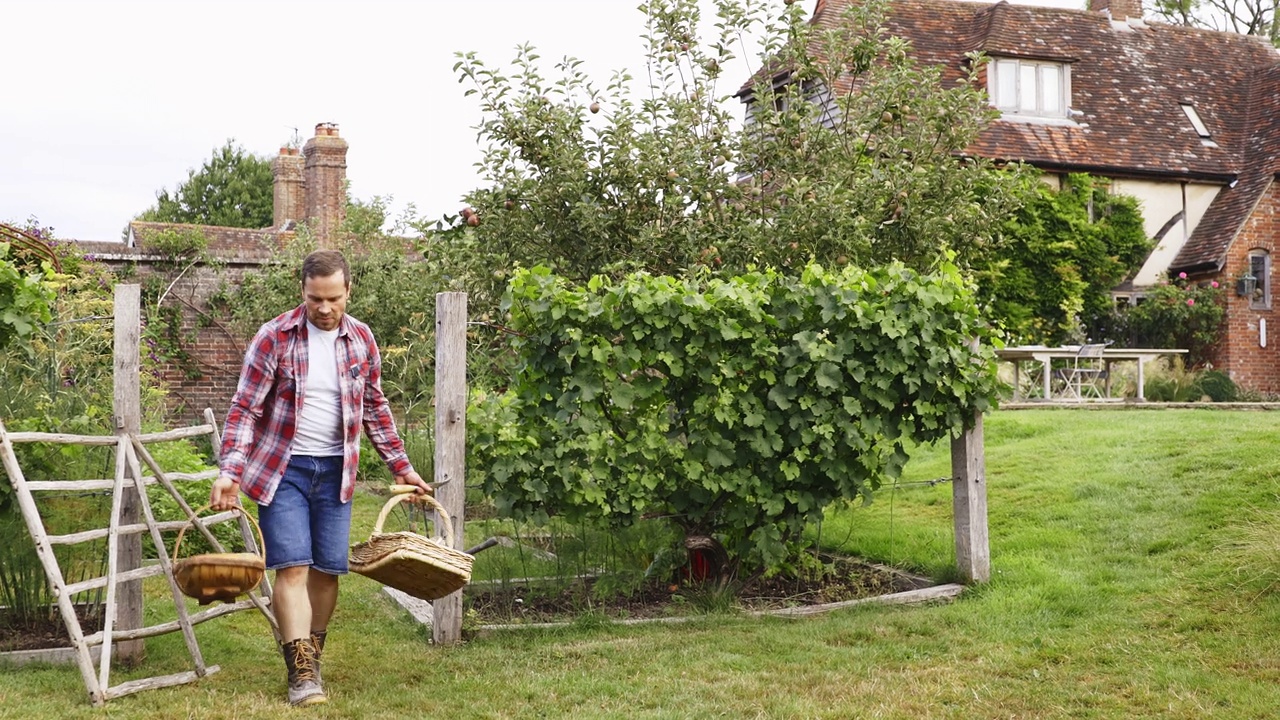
257, 440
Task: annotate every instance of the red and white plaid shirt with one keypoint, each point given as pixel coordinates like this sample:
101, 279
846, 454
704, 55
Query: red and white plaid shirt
257, 439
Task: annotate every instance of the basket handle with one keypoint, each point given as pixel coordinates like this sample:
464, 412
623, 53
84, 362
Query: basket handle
178, 543
404, 492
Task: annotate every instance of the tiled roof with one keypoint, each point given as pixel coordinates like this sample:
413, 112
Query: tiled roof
1128, 81
1207, 246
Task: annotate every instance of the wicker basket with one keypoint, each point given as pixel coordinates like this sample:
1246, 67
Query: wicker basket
409, 562
218, 576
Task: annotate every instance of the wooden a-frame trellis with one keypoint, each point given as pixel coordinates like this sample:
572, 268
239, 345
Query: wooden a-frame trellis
130, 455
128, 489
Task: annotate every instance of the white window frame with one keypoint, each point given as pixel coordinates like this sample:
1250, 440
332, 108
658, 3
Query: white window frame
1006, 77
1260, 260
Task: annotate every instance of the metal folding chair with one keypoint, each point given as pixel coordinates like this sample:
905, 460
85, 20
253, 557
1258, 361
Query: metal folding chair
1086, 375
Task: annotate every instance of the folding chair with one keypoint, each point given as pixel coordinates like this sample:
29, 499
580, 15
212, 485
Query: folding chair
1086, 374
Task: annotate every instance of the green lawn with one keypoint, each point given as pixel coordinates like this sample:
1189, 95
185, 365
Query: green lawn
1132, 552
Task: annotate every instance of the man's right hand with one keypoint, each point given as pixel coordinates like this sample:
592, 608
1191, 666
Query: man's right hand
225, 494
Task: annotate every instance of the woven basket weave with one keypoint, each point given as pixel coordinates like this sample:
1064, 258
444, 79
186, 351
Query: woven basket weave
424, 568
218, 576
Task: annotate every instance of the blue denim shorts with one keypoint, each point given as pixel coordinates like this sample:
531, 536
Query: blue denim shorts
307, 523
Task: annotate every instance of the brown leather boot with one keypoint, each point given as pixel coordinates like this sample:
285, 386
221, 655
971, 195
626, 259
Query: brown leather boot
304, 683
317, 639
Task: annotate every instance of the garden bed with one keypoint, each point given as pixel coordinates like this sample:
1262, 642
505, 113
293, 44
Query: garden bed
549, 600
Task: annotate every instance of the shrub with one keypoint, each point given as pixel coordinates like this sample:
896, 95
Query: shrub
739, 408
1175, 314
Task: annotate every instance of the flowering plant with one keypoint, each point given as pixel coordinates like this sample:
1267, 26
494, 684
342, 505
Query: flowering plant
1177, 313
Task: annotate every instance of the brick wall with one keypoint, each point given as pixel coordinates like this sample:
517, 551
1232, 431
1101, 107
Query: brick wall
209, 379
1240, 354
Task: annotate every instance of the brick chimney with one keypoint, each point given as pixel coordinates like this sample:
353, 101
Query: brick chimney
290, 195
325, 176
1118, 9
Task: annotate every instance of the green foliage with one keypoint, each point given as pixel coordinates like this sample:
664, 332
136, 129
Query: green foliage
1061, 254
1172, 381
1176, 314
588, 181
739, 407
62, 380
1218, 386
25, 299
177, 244
232, 189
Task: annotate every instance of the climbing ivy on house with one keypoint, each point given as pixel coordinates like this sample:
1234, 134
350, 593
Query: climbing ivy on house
737, 408
1059, 257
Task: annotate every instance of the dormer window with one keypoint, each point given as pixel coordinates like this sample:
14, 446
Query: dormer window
1033, 88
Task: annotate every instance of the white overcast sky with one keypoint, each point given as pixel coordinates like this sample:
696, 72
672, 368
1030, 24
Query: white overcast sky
107, 101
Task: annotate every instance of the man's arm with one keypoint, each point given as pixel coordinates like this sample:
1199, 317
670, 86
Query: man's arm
257, 377
380, 426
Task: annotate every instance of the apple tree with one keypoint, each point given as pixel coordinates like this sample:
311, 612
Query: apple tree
852, 153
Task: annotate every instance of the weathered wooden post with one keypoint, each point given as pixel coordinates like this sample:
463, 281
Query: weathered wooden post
127, 412
969, 497
451, 439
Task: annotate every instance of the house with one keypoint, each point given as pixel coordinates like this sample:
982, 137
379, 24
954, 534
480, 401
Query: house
1185, 120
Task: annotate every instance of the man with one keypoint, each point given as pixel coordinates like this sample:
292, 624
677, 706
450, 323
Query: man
311, 379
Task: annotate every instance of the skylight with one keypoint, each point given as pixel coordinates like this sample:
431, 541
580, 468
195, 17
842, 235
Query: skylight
1196, 122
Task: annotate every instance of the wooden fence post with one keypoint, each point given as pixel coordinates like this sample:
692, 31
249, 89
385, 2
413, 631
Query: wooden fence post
127, 412
451, 439
969, 497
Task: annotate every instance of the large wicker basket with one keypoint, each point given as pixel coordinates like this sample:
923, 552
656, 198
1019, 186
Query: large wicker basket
218, 576
424, 568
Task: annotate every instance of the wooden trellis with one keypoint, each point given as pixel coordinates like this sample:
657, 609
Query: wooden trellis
128, 483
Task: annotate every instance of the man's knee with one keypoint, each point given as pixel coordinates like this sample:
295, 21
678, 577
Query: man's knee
296, 575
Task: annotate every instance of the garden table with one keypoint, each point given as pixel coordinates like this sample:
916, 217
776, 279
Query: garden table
1044, 356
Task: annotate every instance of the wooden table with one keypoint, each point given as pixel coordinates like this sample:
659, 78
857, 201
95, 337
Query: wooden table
1045, 356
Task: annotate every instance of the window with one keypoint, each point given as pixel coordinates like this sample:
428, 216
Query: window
1260, 269
1036, 88
1194, 118
813, 92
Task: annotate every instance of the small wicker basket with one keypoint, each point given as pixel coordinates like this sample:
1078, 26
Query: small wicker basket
421, 567
218, 576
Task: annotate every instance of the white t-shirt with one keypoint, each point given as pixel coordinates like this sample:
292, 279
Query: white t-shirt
319, 431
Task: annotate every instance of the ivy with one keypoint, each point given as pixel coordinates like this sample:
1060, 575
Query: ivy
738, 406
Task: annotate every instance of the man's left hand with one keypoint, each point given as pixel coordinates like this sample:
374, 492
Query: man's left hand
413, 478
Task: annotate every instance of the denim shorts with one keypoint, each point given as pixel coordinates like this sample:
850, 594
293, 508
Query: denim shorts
307, 523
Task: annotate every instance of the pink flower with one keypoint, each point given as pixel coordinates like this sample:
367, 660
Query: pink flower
1182, 276
1213, 284
1191, 301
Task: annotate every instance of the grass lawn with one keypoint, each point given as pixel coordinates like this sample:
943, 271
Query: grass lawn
1132, 551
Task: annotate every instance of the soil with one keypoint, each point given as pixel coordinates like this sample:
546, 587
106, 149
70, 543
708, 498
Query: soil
850, 579
45, 632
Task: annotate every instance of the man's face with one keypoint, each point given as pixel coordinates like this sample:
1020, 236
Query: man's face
326, 299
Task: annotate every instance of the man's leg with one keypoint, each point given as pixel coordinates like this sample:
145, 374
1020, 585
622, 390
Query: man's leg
292, 602
286, 528
322, 592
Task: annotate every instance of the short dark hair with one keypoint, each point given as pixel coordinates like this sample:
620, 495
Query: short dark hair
323, 263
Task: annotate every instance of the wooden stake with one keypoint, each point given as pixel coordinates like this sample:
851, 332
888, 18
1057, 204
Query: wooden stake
969, 496
451, 443
128, 416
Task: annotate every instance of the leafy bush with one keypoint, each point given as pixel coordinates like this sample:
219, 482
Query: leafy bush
1218, 386
737, 408
1176, 314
